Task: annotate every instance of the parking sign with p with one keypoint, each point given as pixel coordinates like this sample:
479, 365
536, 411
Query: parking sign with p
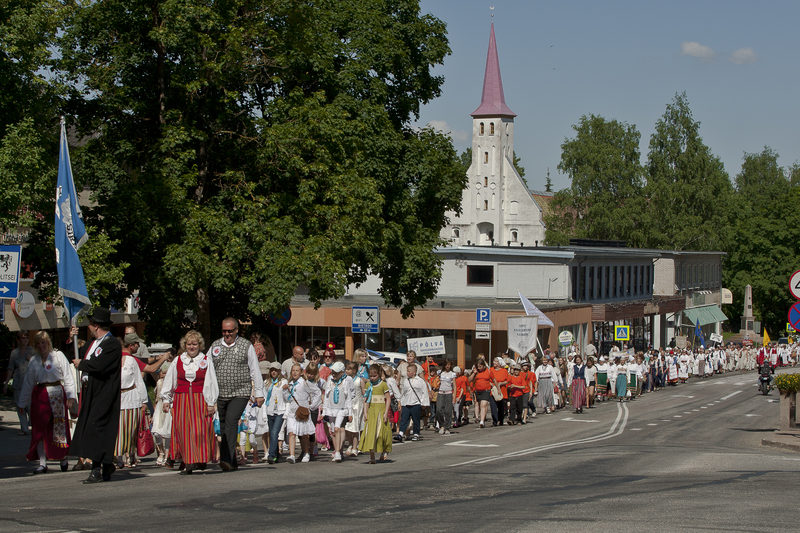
483, 316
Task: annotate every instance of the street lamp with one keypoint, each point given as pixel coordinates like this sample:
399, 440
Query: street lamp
548, 287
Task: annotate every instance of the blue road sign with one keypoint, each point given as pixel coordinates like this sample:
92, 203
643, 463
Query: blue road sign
483, 316
10, 261
622, 333
794, 315
366, 320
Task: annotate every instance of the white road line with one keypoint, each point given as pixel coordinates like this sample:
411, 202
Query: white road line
652, 424
687, 413
677, 416
636, 429
616, 429
731, 395
696, 410
749, 415
464, 443
570, 419
681, 396
703, 407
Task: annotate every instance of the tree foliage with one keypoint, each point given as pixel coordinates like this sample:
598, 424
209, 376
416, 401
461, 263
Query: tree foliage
605, 198
762, 251
248, 148
687, 188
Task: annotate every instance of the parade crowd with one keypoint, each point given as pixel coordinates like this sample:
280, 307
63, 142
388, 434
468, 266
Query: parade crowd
228, 404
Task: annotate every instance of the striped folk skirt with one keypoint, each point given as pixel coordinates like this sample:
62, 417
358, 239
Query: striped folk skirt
545, 398
632, 384
602, 383
128, 431
192, 440
578, 393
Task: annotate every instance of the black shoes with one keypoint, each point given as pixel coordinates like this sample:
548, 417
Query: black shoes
40, 470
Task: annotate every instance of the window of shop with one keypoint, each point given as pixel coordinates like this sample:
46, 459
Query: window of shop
575, 284
590, 284
480, 275
628, 281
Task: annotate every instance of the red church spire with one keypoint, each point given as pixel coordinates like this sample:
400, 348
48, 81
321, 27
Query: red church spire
493, 102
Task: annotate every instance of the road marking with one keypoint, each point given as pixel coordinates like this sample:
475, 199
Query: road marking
704, 407
616, 429
636, 429
696, 410
731, 395
681, 396
748, 415
716, 401
678, 416
652, 424
570, 419
464, 443
687, 413
711, 404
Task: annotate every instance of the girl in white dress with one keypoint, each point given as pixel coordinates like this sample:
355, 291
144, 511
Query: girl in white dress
354, 427
300, 393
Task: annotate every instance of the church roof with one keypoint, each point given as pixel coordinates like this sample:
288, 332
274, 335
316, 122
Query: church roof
493, 102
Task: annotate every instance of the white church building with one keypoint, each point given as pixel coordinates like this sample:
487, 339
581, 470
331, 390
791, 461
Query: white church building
496, 207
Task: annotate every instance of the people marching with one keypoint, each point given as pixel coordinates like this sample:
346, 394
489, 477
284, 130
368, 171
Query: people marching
216, 406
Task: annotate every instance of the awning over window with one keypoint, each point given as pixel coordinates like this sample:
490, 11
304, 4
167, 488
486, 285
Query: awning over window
706, 314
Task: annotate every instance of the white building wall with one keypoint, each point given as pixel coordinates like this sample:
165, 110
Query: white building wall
664, 277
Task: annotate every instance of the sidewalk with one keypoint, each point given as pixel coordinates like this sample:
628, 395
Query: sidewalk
13, 447
784, 442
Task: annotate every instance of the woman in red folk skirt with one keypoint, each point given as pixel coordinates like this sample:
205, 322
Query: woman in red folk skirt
578, 387
49, 390
190, 389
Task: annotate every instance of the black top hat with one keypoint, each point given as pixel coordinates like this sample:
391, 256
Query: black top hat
101, 315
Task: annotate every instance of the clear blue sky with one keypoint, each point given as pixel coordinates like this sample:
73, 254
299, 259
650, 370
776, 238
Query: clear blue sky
737, 62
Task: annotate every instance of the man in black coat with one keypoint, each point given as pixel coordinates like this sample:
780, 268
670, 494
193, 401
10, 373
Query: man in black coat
98, 421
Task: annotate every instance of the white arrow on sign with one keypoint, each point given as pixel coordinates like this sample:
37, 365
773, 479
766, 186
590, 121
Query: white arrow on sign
464, 443
5, 290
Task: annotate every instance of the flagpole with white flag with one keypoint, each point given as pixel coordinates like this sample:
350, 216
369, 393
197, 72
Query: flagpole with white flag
70, 235
532, 310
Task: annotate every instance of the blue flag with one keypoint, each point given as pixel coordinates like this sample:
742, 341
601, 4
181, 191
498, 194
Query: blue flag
70, 235
699, 333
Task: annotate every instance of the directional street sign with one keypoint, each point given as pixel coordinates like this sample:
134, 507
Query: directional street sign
483, 316
622, 333
794, 315
366, 320
10, 260
794, 285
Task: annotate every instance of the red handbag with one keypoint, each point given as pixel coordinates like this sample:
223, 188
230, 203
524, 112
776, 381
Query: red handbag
144, 444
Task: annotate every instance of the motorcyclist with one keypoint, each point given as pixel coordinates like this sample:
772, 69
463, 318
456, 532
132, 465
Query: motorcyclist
766, 370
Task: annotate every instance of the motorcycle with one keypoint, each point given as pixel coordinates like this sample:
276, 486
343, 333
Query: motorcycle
764, 381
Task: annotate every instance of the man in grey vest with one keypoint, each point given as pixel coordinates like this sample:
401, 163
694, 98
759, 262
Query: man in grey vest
236, 366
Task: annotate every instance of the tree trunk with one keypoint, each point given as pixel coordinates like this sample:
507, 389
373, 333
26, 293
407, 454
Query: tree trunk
204, 314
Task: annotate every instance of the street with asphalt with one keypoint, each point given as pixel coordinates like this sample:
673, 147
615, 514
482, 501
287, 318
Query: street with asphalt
698, 456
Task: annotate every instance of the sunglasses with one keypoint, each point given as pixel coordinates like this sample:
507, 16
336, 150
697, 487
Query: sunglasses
228, 331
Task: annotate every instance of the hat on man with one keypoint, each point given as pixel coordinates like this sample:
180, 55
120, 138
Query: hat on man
131, 338
456, 369
337, 367
264, 367
101, 315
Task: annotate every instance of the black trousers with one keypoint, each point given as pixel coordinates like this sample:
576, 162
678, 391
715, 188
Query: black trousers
230, 411
498, 410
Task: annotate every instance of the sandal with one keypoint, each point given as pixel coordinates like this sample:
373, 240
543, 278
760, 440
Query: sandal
383, 456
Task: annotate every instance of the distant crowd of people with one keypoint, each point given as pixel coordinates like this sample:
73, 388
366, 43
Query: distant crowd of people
227, 402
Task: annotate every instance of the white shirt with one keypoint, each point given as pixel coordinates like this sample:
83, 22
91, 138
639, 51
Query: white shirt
276, 404
414, 392
447, 379
306, 394
131, 376
55, 368
210, 386
345, 403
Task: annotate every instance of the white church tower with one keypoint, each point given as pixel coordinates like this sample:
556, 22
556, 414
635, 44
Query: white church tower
496, 207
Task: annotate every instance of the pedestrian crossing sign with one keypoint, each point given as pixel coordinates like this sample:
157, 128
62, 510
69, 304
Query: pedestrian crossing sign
622, 333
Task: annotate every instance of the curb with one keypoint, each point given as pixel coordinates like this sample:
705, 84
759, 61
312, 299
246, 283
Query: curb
794, 447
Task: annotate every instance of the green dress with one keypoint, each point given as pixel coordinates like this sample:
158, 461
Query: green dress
377, 434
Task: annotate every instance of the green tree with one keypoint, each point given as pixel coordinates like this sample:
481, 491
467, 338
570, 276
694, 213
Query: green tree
520, 169
687, 186
763, 240
465, 159
604, 200
249, 148
548, 183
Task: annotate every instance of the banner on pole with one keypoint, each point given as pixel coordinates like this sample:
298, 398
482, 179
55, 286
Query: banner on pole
522, 333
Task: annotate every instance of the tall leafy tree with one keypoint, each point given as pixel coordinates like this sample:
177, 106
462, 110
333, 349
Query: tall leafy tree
245, 149
762, 251
687, 186
604, 200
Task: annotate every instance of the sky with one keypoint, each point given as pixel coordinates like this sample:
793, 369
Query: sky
736, 61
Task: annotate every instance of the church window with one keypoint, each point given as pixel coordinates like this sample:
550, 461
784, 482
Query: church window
456, 233
486, 205
513, 235
514, 207
485, 157
481, 128
491, 128
485, 181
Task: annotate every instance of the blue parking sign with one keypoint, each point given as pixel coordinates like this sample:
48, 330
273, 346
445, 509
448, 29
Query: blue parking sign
483, 316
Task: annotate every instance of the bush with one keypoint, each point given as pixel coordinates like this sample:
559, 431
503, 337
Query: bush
787, 382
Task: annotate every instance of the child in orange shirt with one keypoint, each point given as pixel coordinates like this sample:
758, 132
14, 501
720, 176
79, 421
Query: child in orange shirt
460, 400
530, 391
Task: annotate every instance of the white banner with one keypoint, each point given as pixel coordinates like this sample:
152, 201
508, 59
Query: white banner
715, 337
425, 346
522, 331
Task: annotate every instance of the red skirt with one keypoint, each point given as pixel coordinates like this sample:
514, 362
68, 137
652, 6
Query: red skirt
49, 423
578, 393
193, 439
